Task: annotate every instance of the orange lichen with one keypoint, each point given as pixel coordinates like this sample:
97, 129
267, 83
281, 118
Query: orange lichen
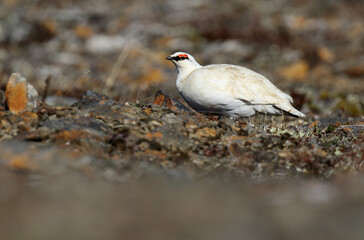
156, 153
16, 94
159, 100
206, 132
22, 162
151, 135
70, 135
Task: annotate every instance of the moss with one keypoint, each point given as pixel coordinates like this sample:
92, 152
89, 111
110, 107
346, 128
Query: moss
330, 129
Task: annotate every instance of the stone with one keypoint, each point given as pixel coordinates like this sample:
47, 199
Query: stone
2, 99
89, 125
30, 157
90, 135
56, 101
42, 31
355, 71
207, 133
163, 99
20, 95
24, 120
171, 137
91, 100
118, 114
352, 68
83, 31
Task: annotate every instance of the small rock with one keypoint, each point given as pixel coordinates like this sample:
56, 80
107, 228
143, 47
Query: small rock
355, 129
352, 68
226, 123
154, 135
171, 137
325, 54
120, 114
56, 101
355, 71
88, 134
20, 95
83, 31
25, 118
206, 132
32, 95
28, 157
88, 125
2, 99
93, 100
22, 162
163, 99
42, 31
321, 153
37, 135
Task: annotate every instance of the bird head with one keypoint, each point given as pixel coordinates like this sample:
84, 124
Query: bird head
183, 61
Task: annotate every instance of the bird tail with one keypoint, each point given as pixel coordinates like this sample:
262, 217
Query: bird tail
290, 111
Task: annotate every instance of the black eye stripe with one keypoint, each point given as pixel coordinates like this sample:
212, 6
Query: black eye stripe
178, 58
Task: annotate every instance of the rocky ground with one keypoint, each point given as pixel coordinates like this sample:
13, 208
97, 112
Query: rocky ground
101, 153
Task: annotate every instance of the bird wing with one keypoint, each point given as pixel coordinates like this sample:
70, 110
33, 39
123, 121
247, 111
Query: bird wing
207, 88
248, 86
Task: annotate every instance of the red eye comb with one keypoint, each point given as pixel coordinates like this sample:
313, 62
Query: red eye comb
183, 56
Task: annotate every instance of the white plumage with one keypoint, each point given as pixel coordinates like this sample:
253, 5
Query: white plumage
229, 90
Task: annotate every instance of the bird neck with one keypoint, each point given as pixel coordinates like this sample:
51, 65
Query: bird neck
184, 70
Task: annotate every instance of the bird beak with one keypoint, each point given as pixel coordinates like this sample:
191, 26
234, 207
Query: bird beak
169, 58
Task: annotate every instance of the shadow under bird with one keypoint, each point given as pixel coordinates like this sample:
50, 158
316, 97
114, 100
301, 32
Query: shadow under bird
229, 90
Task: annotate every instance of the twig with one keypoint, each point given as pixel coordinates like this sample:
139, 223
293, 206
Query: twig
117, 66
46, 89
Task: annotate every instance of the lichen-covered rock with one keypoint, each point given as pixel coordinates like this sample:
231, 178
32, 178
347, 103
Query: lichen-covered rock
93, 100
43, 158
126, 137
20, 95
163, 99
88, 125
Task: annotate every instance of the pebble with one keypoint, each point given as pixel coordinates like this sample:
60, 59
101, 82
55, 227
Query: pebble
20, 95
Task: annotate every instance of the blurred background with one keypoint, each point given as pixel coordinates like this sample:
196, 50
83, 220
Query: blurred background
311, 49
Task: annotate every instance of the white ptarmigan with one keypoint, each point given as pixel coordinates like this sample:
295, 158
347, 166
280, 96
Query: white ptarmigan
229, 90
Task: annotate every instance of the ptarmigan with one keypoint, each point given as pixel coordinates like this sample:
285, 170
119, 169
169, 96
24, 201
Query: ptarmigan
229, 90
